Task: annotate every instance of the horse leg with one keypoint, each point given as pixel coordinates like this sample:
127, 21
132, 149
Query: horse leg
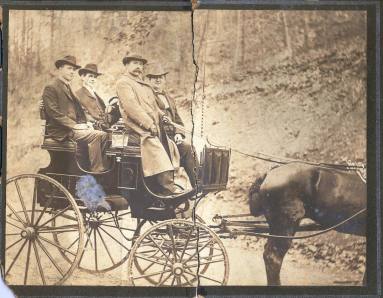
274, 252
283, 218
364, 282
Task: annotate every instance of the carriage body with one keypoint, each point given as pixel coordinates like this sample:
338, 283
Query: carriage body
101, 240
125, 181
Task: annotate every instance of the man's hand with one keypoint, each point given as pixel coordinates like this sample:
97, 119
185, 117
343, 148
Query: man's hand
81, 126
178, 138
153, 130
166, 119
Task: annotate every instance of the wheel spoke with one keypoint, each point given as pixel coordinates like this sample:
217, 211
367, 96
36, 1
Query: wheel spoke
186, 243
34, 203
199, 250
49, 256
211, 262
27, 265
44, 209
187, 280
8, 222
164, 280
163, 268
77, 239
172, 283
114, 216
86, 245
14, 243
12, 234
54, 216
179, 281
209, 278
147, 267
172, 239
106, 247
15, 213
152, 261
119, 228
161, 250
16, 257
115, 239
61, 229
39, 263
95, 249
22, 202
151, 274
56, 245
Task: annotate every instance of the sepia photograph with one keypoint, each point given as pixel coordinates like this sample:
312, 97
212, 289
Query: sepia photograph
179, 149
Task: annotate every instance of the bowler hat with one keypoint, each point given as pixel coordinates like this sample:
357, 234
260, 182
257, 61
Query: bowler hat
155, 70
70, 60
89, 68
129, 57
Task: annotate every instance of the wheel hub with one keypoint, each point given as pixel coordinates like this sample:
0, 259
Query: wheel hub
94, 224
28, 233
178, 269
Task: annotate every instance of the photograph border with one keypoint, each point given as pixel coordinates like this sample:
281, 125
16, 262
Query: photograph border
374, 38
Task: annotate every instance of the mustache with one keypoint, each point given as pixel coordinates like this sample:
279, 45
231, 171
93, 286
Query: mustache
137, 70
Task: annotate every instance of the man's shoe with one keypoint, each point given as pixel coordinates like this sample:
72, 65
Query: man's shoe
171, 191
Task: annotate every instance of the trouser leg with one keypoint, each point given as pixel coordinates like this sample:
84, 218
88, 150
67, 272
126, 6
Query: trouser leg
166, 181
189, 161
97, 142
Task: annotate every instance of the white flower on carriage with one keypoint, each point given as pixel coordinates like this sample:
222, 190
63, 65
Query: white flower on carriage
91, 193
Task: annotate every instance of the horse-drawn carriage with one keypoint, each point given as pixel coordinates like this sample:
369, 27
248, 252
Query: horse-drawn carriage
51, 231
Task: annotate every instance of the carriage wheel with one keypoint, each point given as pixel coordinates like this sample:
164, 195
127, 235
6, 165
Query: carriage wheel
32, 257
149, 224
171, 253
108, 239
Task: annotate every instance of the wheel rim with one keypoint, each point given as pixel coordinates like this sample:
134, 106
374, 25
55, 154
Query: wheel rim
108, 239
173, 252
32, 257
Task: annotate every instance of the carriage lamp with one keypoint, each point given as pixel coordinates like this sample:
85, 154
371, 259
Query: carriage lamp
119, 139
119, 136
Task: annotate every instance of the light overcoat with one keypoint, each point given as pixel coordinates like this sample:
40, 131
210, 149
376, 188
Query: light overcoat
140, 111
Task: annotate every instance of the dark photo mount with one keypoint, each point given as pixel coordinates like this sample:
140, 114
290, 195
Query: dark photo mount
373, 151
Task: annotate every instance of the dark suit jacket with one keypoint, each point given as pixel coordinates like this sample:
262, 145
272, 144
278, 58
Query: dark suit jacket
172, 112
94, 106
62, 110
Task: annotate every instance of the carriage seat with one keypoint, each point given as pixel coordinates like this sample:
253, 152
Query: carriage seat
53, 145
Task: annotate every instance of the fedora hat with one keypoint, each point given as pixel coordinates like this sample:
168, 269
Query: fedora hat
70, 60
129, 57
89, 68
155, 70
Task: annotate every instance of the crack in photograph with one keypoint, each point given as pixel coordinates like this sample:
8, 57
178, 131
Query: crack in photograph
170, 148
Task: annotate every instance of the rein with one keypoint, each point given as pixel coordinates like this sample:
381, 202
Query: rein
284, 160
262, 235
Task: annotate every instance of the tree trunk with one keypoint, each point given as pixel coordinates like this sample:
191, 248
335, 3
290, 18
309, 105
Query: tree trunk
306, 31
288, 45
239, 42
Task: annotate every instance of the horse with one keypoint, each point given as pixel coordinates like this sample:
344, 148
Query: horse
288, 193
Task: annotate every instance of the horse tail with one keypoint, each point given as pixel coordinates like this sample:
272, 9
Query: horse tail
255, 199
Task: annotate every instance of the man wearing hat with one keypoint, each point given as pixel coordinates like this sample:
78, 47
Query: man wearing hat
92, 103
156, 76
65, 118
142, 116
